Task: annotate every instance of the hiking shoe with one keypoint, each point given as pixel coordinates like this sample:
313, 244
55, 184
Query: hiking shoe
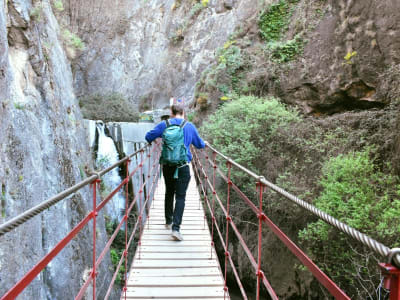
168, 226
176, 235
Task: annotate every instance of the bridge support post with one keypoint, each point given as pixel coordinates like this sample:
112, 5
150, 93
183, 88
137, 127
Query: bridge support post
392, 280
94, 273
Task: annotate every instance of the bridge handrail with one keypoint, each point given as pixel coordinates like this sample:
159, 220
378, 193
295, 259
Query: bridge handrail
206, 167
94, 180
374, 245
30, 213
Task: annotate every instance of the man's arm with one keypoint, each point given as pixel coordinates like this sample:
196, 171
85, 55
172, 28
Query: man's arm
156, 132
196, 139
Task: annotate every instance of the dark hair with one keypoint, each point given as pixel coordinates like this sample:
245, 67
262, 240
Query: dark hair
177, 109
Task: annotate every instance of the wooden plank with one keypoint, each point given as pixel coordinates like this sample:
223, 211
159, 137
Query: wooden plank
168, 269
161, 237
177, 255
186, 298
174, 243
185, 231
173, 272
198, 226
175, 293
161, 264
177, 248
176, 281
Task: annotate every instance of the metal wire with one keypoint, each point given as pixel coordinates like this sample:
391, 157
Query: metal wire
34, 211
374, 245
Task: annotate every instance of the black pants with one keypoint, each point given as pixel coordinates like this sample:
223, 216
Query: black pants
177, 188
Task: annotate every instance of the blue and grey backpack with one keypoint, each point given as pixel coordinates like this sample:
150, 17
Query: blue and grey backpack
174, 152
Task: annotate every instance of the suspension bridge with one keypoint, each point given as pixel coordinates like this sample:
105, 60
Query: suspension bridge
190, 269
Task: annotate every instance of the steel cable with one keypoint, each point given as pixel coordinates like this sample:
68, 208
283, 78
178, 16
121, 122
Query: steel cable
374, 245
34, 211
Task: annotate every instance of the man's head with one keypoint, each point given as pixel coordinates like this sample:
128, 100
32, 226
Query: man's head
177, 110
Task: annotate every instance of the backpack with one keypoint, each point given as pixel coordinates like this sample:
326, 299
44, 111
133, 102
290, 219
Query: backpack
174, 152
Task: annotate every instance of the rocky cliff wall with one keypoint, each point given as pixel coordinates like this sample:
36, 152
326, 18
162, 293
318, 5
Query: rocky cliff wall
42, 148
152, 50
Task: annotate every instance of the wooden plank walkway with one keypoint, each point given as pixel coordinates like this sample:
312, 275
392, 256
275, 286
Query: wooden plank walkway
168, 269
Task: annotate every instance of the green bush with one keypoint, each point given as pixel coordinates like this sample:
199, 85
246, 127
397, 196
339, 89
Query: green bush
112, 107
73, 40
240, 128
287, 50
275, 20
58, 4
358, 194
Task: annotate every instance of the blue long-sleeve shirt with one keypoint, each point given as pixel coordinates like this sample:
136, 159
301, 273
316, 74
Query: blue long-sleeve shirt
190, 135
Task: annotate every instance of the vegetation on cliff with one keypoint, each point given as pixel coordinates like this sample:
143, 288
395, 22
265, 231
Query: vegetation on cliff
108, 108
336, 164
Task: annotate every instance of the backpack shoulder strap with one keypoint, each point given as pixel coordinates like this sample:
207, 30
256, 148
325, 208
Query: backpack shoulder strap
167, 122
183, 124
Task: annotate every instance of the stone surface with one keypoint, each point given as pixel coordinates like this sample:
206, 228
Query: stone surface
42, 148
143, 62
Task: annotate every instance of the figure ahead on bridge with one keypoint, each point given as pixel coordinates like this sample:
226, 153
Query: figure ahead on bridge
178, 135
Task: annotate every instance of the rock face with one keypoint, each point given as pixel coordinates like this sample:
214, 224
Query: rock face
331, 80
42, 148
153, 50
150, 51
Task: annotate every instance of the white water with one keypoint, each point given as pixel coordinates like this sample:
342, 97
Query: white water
107, 155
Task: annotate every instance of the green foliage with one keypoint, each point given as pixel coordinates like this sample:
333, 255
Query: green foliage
196, 9
58, 4
19, 106
73, 40
350, 193
286, 51
275, 20
205, 3
117, 249
349, 57
241, 127
3, 202
115, 258
37, 11
190, 116
357, 193
81, 172
112, 107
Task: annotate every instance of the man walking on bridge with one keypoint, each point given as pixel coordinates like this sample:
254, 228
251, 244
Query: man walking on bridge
178, 135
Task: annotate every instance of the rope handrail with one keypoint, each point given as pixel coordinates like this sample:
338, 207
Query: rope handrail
255, 262
152, 156
34, 211
374, 245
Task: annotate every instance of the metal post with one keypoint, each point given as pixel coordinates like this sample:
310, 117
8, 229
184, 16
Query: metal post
214, 154
126, 225
94, 273
148, 190
205, 186
392, 280
261, 216
228, 220
141, 203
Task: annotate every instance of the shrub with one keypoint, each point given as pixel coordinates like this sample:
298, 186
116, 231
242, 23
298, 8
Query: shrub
287, 50
37, 11
195, 10
58, 5
241, 127
109, 107
73, 40
275, 20
358, 194
204, 3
